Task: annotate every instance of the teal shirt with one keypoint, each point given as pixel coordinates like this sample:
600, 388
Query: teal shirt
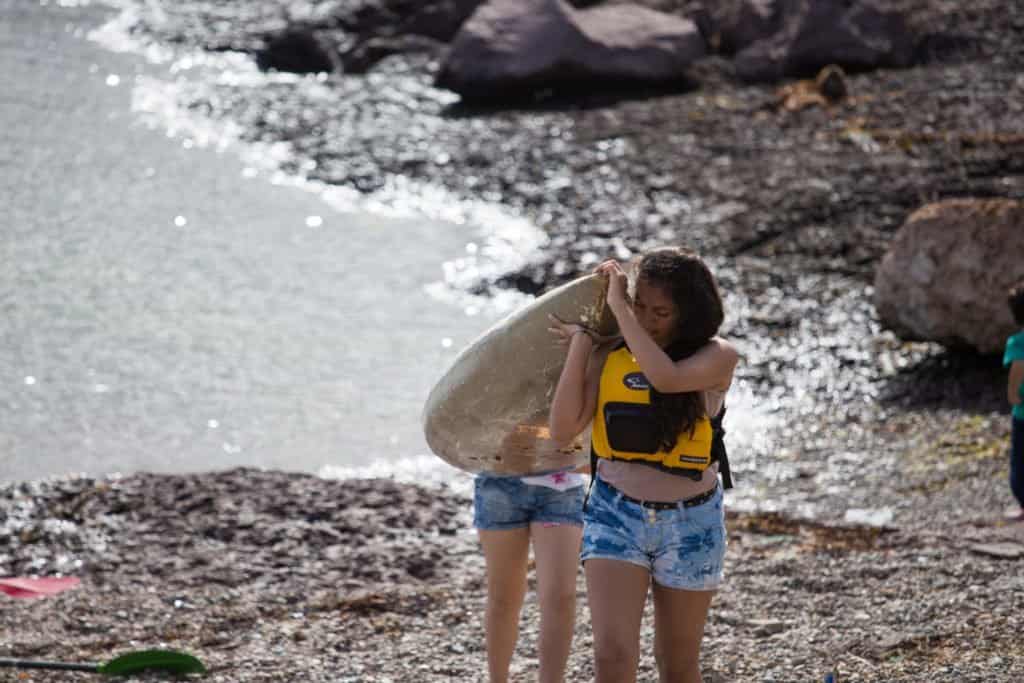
1014, 352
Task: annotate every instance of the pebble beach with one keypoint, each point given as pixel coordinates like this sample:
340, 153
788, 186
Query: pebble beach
866, 535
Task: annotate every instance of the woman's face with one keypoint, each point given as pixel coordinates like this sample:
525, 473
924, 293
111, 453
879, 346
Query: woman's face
656, 312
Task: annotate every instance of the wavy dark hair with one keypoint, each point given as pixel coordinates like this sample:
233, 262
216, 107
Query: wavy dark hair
686, 278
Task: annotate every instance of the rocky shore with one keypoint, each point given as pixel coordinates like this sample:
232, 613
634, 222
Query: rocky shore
269, 576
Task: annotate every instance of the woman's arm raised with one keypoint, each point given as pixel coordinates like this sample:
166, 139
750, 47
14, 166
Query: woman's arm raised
575, 398
710, 368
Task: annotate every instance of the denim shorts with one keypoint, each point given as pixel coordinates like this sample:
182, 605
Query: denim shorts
681, 547
507, 503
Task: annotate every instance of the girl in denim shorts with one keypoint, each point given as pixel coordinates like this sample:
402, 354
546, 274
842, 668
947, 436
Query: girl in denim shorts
509, 512
654, 520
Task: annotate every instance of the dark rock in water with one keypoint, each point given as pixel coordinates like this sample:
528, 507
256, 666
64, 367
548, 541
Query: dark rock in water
368, 18
367, 54
948, 270
355, 38
439, 20
298, 50
858, 36
511, 47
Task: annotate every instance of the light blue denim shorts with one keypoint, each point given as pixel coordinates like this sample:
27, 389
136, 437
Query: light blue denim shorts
509, 503
682, 547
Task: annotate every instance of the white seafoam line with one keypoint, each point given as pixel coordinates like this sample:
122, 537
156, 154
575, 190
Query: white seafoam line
424, 470
505, 242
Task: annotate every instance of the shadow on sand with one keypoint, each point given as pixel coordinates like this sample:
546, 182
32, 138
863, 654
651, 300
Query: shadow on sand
959, 380
566, 96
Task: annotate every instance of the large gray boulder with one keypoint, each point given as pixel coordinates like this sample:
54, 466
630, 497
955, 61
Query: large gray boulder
511, 46
947, 272
776, 39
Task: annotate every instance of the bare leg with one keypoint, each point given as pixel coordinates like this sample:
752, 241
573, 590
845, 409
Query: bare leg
557, 552
506, 554
616, 592
679, 618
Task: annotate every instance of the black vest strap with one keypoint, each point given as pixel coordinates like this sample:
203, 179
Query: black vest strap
718, 451
593, 476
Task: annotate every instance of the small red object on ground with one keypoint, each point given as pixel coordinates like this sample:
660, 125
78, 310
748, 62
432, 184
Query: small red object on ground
25, 587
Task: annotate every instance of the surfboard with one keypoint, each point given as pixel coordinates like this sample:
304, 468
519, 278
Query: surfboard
489, 411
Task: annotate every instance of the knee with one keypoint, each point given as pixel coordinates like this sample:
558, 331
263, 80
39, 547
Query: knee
609, 667
504, 603
557, 600
503, 598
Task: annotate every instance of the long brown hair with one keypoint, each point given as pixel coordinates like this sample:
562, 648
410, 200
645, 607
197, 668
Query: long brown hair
681, 274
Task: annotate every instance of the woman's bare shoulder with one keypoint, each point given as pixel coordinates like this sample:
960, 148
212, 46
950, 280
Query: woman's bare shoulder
726, 357
720, 346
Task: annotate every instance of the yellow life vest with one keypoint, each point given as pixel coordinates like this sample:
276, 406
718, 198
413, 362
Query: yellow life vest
625, 426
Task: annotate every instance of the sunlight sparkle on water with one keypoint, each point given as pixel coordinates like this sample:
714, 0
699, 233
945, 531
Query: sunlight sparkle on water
180, 221
30, 380
446, 342
506, 240
183, 64
314, 221
113, 80
425, 470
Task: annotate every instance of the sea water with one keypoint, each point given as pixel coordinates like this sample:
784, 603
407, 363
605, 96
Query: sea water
175, 302
172, 302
